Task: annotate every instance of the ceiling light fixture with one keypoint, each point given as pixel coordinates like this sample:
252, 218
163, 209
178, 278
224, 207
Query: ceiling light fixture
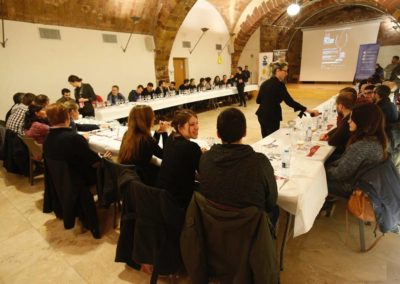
135, 20
203, 30
293, 9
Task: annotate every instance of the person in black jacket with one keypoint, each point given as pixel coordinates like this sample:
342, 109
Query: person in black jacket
232, 173
381, 98
181, 158
272, 92
148, 92
339, 136
135, 95
138, 146
240, 78
114, 97
84, 95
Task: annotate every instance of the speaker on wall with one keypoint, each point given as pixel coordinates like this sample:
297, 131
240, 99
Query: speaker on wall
231, 49
149, 42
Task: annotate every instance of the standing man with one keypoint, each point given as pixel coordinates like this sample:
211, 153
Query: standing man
389, 68
272, 92
247, 73
240, 78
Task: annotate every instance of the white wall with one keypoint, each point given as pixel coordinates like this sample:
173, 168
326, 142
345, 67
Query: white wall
249, 55
203, 61
31, 64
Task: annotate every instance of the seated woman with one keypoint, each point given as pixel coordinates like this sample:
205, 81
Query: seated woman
181, 158
138, 146
36, 124
62, 143
367, 147
73, 110
217, 82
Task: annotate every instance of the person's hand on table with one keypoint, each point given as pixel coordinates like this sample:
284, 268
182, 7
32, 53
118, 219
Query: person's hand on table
105, 155
313, 112
164, 125
203, 150
324, 137
104, 126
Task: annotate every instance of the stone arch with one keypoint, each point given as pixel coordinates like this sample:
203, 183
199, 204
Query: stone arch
168, 23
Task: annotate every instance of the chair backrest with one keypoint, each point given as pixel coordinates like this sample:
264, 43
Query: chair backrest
68, 196
107, 188
151, 224
35, 149
382, 185
228, 244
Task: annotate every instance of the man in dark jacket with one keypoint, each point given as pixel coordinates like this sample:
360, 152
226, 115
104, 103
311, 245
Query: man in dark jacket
340, 135
381, 99
232, 173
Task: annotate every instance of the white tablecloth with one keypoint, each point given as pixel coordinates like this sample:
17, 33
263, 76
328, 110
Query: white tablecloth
304, 193
120, 111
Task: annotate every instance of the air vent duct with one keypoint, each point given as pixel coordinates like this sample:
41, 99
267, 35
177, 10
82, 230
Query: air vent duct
50, 33
110, 38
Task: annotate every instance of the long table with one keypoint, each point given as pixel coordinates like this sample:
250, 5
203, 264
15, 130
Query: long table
121, 111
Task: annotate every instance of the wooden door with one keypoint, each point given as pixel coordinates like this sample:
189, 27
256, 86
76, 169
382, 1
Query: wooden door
179, 71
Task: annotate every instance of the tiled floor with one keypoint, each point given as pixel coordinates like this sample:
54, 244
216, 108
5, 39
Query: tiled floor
34, 247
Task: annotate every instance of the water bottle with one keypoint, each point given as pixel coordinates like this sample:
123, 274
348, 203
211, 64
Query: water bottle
319, 123
308, 135
325, 116
286, 162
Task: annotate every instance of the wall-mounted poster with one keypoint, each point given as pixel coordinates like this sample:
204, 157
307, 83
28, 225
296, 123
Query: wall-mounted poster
264, 73
280, 55
366, 64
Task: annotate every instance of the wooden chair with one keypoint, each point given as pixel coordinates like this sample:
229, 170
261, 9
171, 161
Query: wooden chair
35, 155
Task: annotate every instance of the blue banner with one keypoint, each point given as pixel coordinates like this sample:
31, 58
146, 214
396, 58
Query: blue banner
366, 64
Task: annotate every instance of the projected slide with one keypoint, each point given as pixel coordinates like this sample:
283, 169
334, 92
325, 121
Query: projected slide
330, 54
334, 49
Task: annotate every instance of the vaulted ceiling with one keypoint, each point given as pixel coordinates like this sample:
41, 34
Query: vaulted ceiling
162, 18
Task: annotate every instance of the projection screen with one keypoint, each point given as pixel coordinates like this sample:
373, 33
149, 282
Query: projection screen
330, 53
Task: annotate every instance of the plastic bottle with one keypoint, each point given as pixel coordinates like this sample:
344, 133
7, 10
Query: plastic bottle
308, 135
286, 162
325, 116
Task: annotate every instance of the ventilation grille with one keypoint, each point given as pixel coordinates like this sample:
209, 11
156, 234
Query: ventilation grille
186, 44
218, 46
109, 38
49, 33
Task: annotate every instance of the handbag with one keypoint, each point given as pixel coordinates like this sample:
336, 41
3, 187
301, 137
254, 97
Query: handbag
360, 206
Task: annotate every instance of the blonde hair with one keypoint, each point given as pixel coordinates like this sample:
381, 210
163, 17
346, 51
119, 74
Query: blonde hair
139, 126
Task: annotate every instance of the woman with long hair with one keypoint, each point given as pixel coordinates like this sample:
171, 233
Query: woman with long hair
367, 147
36, 123
138, 146
181, 158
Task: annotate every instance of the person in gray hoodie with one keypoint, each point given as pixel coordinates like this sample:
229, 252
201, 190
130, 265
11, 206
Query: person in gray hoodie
233, 174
